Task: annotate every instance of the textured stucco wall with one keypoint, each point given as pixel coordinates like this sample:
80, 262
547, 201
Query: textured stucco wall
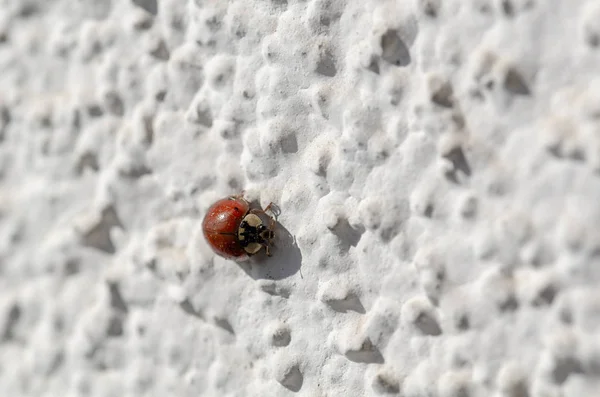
436, 163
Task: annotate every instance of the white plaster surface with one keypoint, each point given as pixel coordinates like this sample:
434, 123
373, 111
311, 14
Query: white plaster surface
436, 163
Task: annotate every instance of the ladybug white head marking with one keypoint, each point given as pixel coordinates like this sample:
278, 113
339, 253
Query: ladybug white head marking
253, 220
252, 248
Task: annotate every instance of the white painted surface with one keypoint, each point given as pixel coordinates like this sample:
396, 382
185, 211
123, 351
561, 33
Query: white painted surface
436, 163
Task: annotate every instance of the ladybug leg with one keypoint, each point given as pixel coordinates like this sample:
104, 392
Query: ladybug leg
239, 197
272, 224
271, 235
270, 208
273, 209
259, 212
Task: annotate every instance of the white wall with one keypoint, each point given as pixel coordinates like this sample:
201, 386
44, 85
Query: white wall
436, 164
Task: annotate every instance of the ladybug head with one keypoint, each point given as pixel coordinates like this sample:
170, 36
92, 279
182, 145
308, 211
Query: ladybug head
254, 235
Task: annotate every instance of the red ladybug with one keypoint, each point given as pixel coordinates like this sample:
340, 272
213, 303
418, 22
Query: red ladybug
235, 231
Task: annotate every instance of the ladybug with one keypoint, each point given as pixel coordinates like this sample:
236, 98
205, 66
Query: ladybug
235, 231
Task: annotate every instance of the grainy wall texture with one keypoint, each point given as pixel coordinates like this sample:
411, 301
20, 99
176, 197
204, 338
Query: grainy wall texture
436, 164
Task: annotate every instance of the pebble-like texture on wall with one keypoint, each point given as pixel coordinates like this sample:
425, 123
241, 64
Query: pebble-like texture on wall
436, 163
